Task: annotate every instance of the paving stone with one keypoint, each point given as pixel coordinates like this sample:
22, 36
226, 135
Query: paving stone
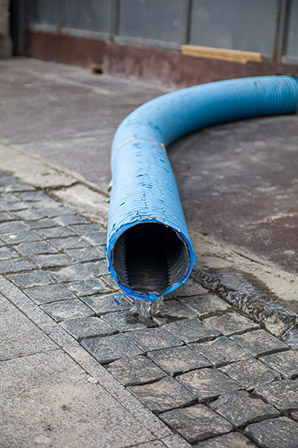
10, 197
70, 242
30, 279
41, 223
12, 227
154, 339
240, 408
110, 348
49, 293
67, 309
96, 238
196, 423
281, 394
178, 360
206, 304
51, 261
105, 303
285, 363
192, 330
69, 219
5, 217
175, 308
25, 236
110, 282
7, 252
35, 248
221, 351
190, 288
15, 265
274, 433
163, 395
231, 323
295, 415
30, 214
55, 232
87, 287
84, 228
123, 321
259, 343
231, 440
86, 254
135, 371
250, 373
207, 383
80, 271
87, 327
31, 196
13, 206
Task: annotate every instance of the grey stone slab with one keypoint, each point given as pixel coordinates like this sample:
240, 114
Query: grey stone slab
82, 229
25, 236
43, 223
12, 227
31, 196
55, 232
49, 293
123, 321
196, 423
13, 206
240, 408
86, 254
4, 217
15, 265
294, 415
8, 252
163, 395
87, 327
175, 308
30, 279
18, 335
67, 309
281, 394
110, 348
51, 261
221, 351
51, 401
98, 238
70, 242
206, 304
285, 363
192, 330
231, 440
178, 360
259, 342
80, 272
154, 339
35, 248
250, 373
207, 383
190, 288
70, 219
87, 287
231, 323
105, 303
274, 433
135, 371
30, 214
110, 282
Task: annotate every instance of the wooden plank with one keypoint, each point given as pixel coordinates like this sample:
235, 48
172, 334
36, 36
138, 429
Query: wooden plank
221, 53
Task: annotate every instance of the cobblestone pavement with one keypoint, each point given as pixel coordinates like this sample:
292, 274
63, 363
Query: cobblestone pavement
211, 374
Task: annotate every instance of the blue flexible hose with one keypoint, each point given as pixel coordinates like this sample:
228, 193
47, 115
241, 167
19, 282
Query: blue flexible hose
144, 189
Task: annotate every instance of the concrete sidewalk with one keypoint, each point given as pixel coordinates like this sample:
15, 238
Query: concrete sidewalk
214, 368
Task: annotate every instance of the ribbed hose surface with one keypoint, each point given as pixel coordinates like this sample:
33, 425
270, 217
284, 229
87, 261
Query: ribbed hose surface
144, 189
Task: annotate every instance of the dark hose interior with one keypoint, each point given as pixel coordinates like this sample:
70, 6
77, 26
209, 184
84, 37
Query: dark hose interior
150, 257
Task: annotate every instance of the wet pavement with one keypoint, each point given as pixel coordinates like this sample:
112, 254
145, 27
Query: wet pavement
76, 368
238, 181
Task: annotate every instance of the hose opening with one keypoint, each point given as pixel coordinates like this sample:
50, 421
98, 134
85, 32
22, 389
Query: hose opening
149, 258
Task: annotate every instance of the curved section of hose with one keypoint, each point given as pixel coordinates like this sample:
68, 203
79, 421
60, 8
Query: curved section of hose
144, 189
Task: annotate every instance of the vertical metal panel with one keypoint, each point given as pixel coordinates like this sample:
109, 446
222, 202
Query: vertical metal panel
152, 19
88, 15
291, 50
45, 12
234, 24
